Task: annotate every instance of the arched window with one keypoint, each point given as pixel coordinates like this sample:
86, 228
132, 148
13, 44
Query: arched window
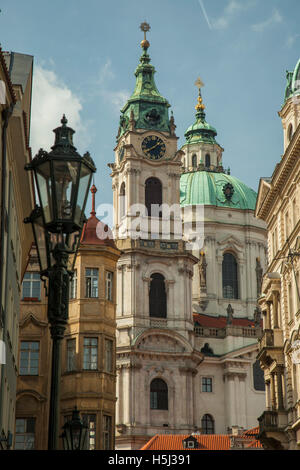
157, 296
194, 161
229, 275
158, 395
153, 195
122, 200
208, 424
207, 160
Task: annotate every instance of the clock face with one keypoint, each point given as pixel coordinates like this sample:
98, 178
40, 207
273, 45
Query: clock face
153, 147
121, 153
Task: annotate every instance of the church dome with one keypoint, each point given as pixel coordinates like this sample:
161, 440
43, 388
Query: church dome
215, 189
293, 82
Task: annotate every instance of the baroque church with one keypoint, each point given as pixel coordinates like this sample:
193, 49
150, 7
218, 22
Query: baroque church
187, 317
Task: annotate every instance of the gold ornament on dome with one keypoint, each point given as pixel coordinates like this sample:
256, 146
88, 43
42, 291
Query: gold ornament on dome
199, 84
145, 27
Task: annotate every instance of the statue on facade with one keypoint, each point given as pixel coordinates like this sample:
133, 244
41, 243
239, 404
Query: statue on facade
259, 275
202, 270
257, 316
229, 314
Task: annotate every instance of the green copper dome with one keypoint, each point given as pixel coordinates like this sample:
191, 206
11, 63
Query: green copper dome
215, 189
146, 106
293, 82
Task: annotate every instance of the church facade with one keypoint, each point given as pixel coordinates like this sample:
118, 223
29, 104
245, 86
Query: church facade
187, 317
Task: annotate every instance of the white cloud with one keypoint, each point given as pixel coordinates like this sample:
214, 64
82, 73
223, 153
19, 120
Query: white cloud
275, 18
231, 10
51, 98
292, 39
115, 98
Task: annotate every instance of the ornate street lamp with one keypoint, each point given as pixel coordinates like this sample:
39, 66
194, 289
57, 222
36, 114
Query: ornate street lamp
63, 179
74, 433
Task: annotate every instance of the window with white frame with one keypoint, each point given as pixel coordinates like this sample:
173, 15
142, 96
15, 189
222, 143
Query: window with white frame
90, 353
91, 282
29, 357
73, 286
90, 421
31, 286
109, 286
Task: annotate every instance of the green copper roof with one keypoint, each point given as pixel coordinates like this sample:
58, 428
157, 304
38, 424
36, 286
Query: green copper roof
200, 131
293, 82
216, 189
146, 106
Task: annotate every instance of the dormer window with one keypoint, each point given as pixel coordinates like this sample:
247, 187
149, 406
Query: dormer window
190, 443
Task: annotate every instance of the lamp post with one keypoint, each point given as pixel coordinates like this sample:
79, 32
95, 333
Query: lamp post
63, 179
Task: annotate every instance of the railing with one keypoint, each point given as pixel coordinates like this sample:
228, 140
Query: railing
158, 323
268, 421
230, 330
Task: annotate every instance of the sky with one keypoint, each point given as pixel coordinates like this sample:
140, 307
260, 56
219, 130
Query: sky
86, 51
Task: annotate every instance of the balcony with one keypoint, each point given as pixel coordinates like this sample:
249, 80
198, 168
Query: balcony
271, 346
271, 429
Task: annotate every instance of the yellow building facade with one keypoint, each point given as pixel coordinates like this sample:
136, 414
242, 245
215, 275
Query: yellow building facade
88, 348
278, 204
16, 201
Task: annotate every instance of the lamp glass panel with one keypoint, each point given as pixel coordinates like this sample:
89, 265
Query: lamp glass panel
40, 240
43, 178
65, 177
84, 184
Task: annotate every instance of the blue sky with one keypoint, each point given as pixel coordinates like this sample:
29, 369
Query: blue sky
85, 54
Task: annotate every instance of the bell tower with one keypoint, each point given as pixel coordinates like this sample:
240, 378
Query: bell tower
156, 358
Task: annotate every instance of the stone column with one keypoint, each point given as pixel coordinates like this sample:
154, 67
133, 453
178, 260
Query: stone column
275, 308
243, 401
279, 389
273, 392
268, 316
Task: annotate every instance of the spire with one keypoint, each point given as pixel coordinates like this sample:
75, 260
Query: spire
200, 131
93, 191
146, 104
199, 106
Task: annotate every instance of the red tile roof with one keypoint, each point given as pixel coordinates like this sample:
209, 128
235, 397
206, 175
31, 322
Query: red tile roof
206, 442
221, 322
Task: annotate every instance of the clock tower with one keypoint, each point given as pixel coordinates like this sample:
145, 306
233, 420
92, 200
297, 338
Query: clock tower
156, 357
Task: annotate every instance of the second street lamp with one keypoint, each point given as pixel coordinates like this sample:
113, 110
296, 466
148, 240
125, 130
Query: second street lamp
63, 179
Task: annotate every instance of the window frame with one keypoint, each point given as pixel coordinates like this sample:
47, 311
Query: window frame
207, 421
107, 434
34, 278
89, 286
207, 385
109, 286
232, 280
29, 359
73, 286
73, 358
25, 433
159, 397
89, 348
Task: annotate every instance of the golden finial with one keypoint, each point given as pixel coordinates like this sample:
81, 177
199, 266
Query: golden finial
145, 27
199, 84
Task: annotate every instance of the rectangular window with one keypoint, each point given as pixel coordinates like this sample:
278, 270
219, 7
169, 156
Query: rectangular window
71, 354
109, 286
108, 355
29, 358
90, 422
206, 384
90, 353
73, 286
25, 433
91, 282
31, 286
107, 432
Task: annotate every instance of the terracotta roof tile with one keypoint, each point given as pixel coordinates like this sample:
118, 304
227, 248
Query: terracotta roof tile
206, 442
220, 321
